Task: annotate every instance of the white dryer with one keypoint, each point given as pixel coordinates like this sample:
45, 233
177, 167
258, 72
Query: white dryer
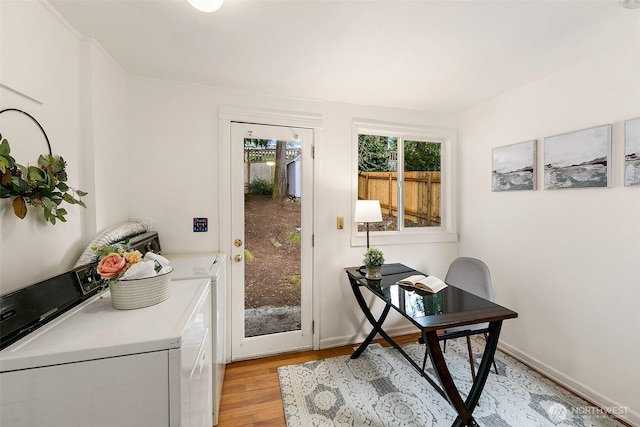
95, 366
211, 266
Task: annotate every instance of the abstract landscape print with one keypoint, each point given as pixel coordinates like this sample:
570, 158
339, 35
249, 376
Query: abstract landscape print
578, 159
514, 167
632, 152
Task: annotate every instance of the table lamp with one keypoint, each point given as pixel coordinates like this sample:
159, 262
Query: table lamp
367, 211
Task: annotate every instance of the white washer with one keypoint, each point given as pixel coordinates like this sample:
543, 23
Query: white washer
97, 366
211, 266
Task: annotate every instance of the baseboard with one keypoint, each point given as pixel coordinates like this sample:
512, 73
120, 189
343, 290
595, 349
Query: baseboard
270, 353
358, 338
623, 413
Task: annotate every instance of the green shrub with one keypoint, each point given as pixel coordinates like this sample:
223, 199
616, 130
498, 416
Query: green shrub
260, 186
295, 282
292, 236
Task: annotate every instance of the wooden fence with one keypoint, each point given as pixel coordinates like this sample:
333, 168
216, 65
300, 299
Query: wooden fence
256, 155
421, 194
256, 163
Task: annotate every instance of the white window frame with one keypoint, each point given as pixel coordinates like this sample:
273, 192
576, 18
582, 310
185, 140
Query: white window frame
447, 232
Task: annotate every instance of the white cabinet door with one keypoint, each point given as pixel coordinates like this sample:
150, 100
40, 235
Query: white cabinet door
190, 381
200, 388
121, 391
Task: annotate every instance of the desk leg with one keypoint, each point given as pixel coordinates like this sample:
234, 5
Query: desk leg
377, 324
464, 409
485, 366
443, 374
377, 329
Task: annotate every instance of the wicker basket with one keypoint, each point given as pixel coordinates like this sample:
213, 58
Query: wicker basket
138, 293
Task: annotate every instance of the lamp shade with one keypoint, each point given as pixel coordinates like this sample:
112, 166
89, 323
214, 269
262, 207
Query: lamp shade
367, 211
206, 5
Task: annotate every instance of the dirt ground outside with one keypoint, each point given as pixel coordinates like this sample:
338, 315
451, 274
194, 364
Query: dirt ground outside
272, 265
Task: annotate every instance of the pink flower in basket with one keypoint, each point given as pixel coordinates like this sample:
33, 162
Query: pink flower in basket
111, 266
115, 260
133, 282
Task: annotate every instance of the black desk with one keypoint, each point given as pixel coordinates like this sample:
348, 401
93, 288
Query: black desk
429, 313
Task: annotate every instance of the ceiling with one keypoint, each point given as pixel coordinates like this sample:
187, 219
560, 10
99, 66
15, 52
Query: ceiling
427, 55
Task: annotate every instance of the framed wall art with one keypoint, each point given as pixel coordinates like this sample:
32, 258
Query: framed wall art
514, 167
632, 152
579, 159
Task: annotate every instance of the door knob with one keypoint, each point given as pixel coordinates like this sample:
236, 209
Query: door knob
237, 258
237, 242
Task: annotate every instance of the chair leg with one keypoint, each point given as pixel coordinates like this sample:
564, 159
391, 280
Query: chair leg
426, 354
473, 367
471, 362
494, 360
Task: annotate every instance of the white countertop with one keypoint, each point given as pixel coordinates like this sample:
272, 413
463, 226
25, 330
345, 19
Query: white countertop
95, 330
194, 266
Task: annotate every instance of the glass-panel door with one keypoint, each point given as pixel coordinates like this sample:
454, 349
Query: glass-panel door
271, 222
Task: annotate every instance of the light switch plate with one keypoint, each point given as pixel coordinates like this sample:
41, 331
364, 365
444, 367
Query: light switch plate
340, 223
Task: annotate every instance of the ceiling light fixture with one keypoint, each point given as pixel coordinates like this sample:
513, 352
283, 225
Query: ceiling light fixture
630, 4
206, 5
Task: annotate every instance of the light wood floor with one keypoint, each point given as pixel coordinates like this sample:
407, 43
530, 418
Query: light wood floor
251, 389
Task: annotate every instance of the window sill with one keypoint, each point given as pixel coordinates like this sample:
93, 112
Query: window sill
437, 235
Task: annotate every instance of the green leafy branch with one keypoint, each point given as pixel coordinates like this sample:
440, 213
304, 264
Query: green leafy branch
43, 186
118, 248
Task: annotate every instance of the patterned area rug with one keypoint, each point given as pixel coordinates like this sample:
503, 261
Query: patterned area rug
381, 389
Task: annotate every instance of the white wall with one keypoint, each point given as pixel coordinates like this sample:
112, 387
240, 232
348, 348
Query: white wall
341, 321
174, 142
105, 138
568, 261
78, 93
40, 59
102, 122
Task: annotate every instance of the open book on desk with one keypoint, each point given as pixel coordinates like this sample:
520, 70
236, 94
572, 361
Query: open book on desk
426, 283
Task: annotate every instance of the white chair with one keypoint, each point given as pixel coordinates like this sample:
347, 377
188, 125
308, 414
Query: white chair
471, 275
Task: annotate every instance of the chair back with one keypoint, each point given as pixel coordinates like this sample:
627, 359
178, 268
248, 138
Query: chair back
471, 275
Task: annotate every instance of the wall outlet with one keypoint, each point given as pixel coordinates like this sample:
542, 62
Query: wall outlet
148, 221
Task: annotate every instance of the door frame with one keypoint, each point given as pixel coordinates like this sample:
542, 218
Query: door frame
262, 117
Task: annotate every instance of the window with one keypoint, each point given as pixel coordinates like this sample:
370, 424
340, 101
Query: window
409, 171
